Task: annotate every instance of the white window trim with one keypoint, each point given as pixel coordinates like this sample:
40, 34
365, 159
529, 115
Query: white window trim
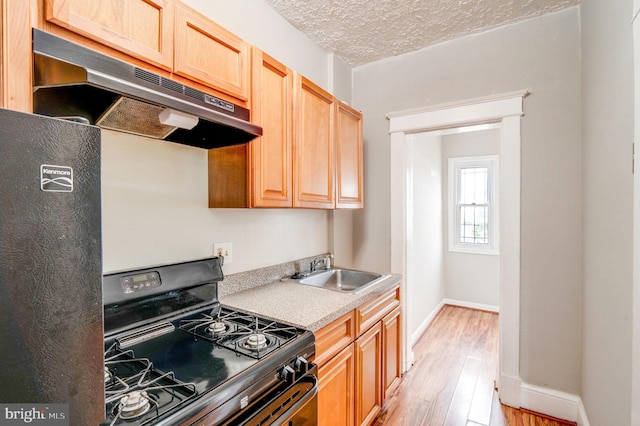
493, 248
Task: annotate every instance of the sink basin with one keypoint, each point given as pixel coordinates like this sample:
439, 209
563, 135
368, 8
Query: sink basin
343, 280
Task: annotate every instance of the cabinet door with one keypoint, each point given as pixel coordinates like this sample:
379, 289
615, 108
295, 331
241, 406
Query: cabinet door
313, 175
391, 347
140, 28
335, 390
207, 53
271, 108
349, 167
368, 348
16, 91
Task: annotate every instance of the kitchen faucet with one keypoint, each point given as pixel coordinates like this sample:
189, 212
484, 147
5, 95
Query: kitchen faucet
326, 260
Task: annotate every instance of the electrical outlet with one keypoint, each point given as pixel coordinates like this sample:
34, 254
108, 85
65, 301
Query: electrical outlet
223, 249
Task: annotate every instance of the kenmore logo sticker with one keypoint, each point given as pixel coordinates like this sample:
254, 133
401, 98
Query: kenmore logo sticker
56, 178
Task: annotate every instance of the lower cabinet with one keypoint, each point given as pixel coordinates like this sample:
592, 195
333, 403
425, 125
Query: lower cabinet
336, 390
359, 362
368, 375
392, 366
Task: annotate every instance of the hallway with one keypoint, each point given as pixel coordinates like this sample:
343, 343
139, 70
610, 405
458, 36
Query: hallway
451, 381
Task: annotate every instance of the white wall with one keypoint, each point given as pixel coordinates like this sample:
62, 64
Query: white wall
155, 193
469, 277
542, 55
426, 257
607, 133
154, 210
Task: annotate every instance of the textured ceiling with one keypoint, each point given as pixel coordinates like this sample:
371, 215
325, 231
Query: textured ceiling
362, 31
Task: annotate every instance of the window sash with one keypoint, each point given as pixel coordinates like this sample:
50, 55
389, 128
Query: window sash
473, 181
474, 223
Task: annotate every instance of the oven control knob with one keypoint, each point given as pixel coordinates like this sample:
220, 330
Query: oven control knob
301, 365
287, 374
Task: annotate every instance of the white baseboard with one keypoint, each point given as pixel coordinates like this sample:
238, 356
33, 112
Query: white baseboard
582, 415
509, 390
553, 403
472, 305
423, 327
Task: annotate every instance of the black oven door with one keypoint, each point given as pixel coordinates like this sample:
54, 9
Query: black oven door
292, 405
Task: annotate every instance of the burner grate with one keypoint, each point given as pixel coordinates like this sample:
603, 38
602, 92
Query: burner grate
244, 333
136, 393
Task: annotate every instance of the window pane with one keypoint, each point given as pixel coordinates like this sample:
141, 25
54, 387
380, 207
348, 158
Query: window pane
474, 224
473, 185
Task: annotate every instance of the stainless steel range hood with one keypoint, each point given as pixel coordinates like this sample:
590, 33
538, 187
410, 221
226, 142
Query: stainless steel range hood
74, 82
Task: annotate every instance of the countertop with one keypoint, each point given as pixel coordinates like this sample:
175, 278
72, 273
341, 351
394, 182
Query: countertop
302, 305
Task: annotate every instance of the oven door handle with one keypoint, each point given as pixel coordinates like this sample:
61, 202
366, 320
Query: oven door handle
305, 411
288, 407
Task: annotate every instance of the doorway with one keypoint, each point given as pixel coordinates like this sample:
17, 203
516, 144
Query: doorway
505, 111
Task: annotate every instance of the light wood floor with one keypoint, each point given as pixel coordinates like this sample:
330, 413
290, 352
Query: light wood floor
452, 380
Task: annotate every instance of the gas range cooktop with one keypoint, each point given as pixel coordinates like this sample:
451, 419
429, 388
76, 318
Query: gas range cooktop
175, 355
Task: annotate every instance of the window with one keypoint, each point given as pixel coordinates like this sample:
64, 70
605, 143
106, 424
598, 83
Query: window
473, 208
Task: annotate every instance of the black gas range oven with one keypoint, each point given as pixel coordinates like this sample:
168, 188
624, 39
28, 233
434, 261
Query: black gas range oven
175, 356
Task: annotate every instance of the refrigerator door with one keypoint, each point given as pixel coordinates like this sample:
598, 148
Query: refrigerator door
51, 327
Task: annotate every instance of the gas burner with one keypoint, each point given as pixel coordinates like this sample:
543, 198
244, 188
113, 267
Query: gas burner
136, 392
209, 327
256, 341
134, 404
218, 328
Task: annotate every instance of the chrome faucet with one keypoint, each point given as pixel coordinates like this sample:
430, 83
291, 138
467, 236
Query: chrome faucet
326, 260
314, 263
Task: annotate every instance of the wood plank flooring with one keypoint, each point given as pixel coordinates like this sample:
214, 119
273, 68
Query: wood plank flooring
452, 380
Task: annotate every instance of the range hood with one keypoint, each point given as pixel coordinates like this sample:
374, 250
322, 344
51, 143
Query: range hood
73, 82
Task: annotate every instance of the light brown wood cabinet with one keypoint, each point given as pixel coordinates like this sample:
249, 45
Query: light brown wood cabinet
259, 174
313, 135
164, 33
392, 365
140, 28
349, 157
359, 364
271, 154
336, 402
368, 348
209, 54
15, 56
294, 163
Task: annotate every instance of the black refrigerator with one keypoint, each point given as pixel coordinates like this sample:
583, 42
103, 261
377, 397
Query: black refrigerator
51, 320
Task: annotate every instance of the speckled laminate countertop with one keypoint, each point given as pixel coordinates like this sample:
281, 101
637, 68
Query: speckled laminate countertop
302, 305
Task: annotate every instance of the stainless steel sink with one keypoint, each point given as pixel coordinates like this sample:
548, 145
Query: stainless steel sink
343, 280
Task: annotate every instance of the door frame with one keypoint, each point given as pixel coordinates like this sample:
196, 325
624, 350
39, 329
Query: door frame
507, 110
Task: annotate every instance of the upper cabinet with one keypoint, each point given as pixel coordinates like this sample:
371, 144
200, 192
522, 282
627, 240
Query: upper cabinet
313, 136
349, 155
209, 54
310, 155
271, 161
163, 33
258, 174
140, 28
